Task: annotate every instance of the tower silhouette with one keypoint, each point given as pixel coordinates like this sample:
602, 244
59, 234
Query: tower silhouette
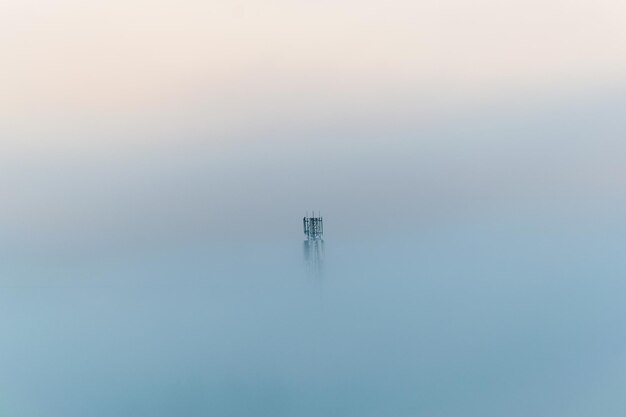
314, 243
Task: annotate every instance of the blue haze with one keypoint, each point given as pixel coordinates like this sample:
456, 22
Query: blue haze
477, 271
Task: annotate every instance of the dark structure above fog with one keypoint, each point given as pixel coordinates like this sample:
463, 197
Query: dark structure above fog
314, 243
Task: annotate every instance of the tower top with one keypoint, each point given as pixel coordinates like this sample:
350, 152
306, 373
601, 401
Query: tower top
313, 226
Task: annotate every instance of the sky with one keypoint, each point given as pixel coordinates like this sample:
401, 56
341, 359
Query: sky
237, 67
124, 113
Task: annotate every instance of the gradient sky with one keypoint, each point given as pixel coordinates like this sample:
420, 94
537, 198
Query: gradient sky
130, 112
270, 62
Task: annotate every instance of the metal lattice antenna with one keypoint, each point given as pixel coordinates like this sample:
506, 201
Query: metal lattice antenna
313, 227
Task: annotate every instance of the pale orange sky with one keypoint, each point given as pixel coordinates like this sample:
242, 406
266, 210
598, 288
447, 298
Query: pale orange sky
254, 63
